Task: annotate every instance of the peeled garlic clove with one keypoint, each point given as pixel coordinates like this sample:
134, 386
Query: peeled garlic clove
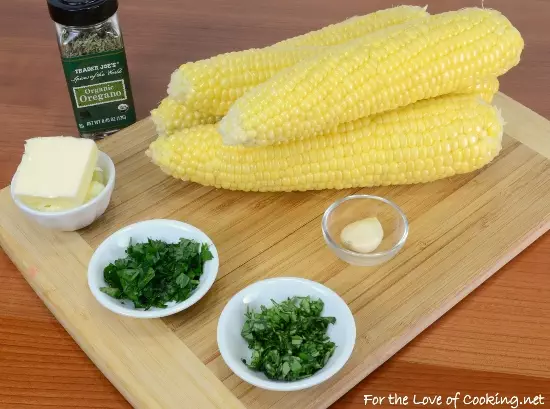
363, 236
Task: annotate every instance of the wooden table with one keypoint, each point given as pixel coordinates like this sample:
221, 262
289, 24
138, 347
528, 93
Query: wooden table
497, 340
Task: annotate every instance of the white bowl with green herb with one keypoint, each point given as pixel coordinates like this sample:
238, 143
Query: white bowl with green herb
153, 269
286, 334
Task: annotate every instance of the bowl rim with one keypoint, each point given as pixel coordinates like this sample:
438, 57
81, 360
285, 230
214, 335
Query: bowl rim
195, 297
290, 386
70, 212
336, 246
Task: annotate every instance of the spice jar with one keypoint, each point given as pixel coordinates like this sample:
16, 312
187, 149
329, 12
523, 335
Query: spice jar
94, 62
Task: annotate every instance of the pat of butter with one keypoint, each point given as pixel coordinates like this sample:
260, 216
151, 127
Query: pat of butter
55, 172
363, 236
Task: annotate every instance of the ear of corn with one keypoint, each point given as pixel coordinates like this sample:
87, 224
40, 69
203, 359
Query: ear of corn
392, 68
429, 140
356, 27
212, 85
172, 116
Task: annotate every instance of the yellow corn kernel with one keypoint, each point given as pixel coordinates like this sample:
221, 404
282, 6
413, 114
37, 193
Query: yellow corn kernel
440, 54
212, 85
171, 116
485, 89
422, 142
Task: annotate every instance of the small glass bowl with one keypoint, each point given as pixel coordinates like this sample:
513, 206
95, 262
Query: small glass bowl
357, 207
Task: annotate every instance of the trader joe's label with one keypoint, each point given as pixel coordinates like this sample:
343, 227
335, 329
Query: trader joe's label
100, 90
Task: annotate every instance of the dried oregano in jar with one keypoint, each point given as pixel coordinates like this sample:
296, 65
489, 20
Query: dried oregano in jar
81, 43
94, 62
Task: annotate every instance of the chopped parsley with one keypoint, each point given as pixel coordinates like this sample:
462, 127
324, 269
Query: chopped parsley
155, 273
288, 340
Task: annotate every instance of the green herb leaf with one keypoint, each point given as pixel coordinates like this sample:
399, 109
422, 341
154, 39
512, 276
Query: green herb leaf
113, 292
154, 273
182, 280
285, 369
206, 255
289, 339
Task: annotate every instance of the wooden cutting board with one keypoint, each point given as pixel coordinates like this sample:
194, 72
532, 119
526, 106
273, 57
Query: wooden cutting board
462, 231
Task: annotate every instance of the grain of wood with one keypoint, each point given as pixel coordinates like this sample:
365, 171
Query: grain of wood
461, 231
149, 365
418, 381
